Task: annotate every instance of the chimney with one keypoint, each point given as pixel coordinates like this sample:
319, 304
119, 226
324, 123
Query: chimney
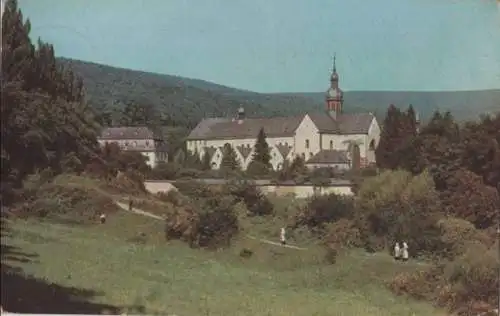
241, 115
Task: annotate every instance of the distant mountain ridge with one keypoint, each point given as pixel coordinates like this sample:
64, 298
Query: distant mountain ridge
187, 100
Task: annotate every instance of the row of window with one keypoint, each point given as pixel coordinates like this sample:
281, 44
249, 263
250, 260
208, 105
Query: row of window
307, 144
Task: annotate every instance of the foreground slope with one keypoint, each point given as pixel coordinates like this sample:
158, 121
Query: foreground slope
187, 100
128, 263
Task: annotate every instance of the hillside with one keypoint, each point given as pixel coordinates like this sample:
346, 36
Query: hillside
186, 100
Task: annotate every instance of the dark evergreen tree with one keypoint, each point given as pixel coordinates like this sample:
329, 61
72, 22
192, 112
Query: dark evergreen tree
390, 139
43, 110
205, 162
261, 150
193, 160
411, 121
229, 158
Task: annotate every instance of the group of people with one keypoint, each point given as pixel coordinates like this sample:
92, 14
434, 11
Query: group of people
401, 253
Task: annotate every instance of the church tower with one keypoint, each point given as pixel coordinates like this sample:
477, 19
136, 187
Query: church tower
334, 95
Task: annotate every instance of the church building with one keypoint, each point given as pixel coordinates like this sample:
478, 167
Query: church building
324, 139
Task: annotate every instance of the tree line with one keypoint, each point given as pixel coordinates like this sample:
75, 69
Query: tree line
463, 159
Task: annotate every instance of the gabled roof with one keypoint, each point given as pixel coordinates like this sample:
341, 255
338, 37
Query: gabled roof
329, 156
325, 122
224, 128
114, 133
355, 123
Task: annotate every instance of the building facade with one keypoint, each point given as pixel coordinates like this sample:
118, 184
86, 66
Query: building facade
323, 139
137, 139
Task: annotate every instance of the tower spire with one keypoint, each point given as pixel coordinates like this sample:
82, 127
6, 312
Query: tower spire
334, 64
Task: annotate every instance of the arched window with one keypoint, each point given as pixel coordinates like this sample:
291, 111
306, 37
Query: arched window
307, 143
331, 144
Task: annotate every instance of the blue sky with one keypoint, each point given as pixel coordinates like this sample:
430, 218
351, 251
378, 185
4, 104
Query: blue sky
284, 45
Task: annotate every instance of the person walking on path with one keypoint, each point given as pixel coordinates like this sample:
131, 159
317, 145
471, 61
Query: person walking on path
397, 251
130, 204
103, 218
405, 251
283, 236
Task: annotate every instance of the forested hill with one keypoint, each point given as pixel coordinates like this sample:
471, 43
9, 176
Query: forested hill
184, 101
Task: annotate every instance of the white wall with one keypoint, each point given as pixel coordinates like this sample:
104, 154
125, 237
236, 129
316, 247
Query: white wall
307, 130
373, 134
276, 158
300, 191
341, 142
145, 146
339, 166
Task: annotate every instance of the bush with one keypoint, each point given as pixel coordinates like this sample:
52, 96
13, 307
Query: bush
342, 234
130, 182
257, 169
204, 216
218, 224
256, 202
457, 235
76, 204
467, 285
246, 253
166, 171
324, 209
396, 206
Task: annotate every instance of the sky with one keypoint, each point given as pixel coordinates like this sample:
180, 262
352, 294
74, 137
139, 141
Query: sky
284, 45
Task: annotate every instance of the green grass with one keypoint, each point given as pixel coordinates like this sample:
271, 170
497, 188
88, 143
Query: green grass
128, 261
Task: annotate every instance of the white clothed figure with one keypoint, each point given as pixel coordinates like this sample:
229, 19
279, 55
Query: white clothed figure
397, 251
102, 218
405, 251
283, 236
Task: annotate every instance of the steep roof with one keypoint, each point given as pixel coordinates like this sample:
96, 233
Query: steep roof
355, 123
223, 128
127, 133
329, 156
226, 128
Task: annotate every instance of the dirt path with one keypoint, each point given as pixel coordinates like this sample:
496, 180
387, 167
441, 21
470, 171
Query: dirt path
275, 243
138, 211
124, 207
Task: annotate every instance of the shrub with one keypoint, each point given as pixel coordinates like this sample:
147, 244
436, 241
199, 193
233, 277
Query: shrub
398, 206
342, 234
258, 169
457, 235
467, 285
166, 171
183, 224
256, 202
130, 182
56, 201
324, 209
204, 216
218, 224
246, 253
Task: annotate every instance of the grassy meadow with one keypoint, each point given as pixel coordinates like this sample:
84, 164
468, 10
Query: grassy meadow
127, 263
